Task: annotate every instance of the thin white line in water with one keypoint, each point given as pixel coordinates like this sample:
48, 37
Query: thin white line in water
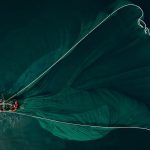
77, 124
70, 50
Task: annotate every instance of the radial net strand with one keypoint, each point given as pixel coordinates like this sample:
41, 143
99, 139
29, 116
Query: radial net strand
77, 124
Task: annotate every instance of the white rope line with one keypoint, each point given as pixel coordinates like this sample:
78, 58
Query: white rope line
77, 124
146, 30
70, 50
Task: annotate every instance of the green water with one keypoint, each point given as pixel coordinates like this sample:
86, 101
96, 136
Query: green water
104, 81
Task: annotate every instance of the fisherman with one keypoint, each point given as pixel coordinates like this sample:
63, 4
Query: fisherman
15, 106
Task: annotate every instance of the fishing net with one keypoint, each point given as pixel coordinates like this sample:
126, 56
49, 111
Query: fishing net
76, 72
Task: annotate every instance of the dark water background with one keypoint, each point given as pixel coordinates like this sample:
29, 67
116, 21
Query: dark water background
18, 14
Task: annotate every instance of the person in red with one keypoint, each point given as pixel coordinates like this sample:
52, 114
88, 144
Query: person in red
15, 106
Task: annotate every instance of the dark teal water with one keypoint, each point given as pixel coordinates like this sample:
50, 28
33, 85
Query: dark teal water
19, 16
